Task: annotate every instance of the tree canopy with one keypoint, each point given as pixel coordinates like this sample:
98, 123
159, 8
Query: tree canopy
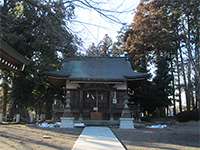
38, 30
164, 35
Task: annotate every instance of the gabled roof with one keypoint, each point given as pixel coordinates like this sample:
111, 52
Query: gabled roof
97, 68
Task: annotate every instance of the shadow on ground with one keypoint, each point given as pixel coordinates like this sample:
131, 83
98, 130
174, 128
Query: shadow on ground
175, 137
25, 137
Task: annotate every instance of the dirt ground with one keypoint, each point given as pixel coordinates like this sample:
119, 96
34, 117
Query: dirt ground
25, 137
180, 136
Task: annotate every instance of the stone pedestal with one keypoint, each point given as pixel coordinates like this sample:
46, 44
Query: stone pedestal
67, 122
17, 118
1, 117
126, 123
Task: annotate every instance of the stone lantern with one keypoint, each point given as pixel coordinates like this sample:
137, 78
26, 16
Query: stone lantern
126, 119
67, 121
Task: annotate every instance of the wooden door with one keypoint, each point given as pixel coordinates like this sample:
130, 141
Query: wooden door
97, 102
103, 101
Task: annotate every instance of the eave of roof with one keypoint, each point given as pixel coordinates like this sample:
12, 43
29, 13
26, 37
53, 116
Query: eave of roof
12, 52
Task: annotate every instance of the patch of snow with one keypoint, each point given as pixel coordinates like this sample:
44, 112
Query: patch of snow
158, 126
43, 125
58, 125
79, 125
49, 125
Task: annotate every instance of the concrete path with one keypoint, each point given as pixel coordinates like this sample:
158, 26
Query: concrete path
97, 138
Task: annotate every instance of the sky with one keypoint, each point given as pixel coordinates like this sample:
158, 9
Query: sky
91, 26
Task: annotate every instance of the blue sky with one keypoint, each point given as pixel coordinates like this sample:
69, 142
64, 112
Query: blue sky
91, 26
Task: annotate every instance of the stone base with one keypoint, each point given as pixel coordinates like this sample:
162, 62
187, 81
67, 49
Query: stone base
111, 119
67, 122
126, 123
1, 117
80, 118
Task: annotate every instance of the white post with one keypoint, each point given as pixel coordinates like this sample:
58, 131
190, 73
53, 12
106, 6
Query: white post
31, 117
37, 117
17, 118
1, 117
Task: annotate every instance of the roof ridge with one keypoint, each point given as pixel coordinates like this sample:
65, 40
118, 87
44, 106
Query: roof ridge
91, 57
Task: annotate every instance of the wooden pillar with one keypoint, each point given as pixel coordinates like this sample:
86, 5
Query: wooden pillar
110, 104
81, 104
127, 88
97, 102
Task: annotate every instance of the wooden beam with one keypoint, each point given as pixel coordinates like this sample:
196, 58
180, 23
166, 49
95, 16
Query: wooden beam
53, 77
103, 82
136, 79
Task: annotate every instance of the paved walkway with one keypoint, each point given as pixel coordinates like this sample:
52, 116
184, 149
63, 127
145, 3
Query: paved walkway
97, 138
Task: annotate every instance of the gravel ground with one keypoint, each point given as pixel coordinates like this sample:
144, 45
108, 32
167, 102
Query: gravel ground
24, 137
180, 136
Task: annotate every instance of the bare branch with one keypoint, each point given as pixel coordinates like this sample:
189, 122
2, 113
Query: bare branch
86, 4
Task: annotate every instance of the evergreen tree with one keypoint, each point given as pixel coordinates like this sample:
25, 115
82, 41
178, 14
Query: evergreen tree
150, 42
102, 48
118, 47
38, 30
92, 51
163, 80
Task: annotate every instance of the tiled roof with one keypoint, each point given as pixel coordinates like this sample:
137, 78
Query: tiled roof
97, 68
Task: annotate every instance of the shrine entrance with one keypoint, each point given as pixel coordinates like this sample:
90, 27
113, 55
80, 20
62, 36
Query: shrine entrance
96, 103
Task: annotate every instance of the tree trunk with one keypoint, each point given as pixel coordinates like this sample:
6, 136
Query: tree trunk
188, 46
197, 62
184, 80
179, 83
190, 86
173, 85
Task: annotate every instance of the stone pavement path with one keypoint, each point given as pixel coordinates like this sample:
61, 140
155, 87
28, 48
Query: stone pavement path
97, 138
